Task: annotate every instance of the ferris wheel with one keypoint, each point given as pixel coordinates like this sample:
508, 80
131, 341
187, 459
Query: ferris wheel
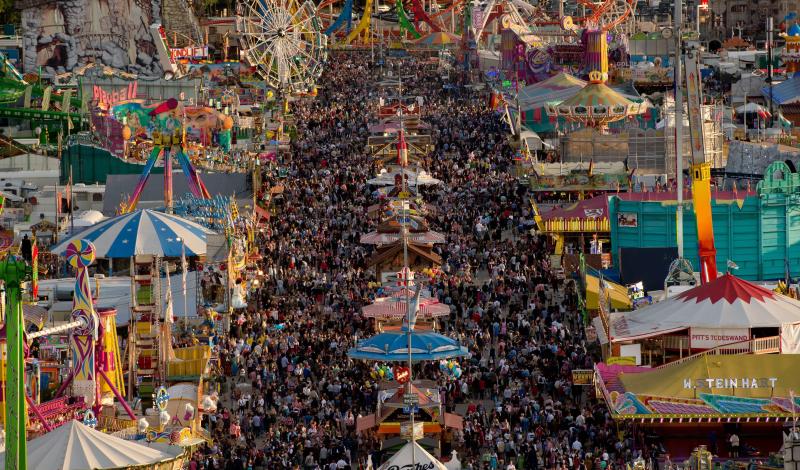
284, 41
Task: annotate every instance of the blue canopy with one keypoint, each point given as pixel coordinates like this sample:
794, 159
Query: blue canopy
392, 346
784, 92
142, 232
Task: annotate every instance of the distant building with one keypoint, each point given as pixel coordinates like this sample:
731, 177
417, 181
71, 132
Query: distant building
747, 18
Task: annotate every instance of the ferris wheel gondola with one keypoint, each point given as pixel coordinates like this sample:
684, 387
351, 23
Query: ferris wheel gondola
284, 40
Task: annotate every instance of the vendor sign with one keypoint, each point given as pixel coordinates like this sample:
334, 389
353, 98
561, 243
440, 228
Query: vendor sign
708, 338
582, 377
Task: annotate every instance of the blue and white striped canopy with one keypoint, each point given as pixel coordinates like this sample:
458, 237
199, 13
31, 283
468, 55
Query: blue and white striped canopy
392, 346
142, 232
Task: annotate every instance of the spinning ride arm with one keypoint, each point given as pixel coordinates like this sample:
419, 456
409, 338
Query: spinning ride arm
363, 25
346, 15
609, 14
701, 172
421, 17
405, 23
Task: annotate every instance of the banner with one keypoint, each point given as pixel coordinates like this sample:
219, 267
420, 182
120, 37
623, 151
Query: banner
582, 377
708, 338
790, 338
622, 361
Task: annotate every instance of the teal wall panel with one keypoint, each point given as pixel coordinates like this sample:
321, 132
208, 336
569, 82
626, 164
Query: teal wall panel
736, 231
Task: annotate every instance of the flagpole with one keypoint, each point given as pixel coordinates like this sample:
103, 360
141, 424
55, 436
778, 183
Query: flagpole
185, 302
407, 274
71, 205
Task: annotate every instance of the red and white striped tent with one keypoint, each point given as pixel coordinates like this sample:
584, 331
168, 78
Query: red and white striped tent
725, 304
397, 307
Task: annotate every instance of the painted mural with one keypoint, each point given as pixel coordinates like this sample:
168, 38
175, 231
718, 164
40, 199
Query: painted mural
200, 121
64, 35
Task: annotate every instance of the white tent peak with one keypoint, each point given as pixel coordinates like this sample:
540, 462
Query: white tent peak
75, 446
422, 458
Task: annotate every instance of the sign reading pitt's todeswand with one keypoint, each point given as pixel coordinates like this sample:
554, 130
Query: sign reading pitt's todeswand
722, 383
707, 338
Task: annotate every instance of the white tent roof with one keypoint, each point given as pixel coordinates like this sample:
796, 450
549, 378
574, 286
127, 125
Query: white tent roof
423, 459
727, 302
421, 178
75, 446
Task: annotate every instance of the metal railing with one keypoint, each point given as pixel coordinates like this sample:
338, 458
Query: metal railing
767, 345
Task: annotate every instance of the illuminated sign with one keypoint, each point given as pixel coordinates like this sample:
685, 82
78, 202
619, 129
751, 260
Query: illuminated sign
107, 99
176, 53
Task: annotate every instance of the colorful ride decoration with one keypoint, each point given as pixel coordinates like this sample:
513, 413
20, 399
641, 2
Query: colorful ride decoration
791, 52
80, 255
596, 105
596, 58
200, 124
90, 419
169, 139
381, 372
96, 376
345, 17
14, 272
450, 368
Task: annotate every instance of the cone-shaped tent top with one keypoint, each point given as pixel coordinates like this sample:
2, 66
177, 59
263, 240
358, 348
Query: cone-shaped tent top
727, 302
75, 446
402, 459
143, 232
597, 103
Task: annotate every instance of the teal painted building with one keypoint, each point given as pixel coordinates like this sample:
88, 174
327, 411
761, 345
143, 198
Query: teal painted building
760, 233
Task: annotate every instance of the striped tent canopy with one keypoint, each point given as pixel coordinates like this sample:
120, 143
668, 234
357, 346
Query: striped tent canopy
143, 232
438, 39
553, 90
397, 307
598, 103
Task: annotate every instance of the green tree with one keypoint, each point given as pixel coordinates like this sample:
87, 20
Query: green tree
8, 13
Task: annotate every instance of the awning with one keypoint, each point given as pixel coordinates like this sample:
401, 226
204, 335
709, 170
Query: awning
394, 428
597, 322
617, 294
739, 388
453, 421
365, 422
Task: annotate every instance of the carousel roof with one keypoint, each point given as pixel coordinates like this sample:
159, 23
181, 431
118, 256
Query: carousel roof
553, 90
727, 302
599, 102
143, 232
392, 346
75, 446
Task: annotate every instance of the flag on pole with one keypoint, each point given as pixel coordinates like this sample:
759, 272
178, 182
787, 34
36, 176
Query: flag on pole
413, 310
183, 283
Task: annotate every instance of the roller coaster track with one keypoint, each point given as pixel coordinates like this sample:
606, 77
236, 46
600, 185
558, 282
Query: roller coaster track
38, 114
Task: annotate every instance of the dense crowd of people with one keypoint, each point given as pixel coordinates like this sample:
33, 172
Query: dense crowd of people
293, 396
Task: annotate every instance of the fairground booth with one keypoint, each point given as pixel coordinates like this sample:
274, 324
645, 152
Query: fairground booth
717, 359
